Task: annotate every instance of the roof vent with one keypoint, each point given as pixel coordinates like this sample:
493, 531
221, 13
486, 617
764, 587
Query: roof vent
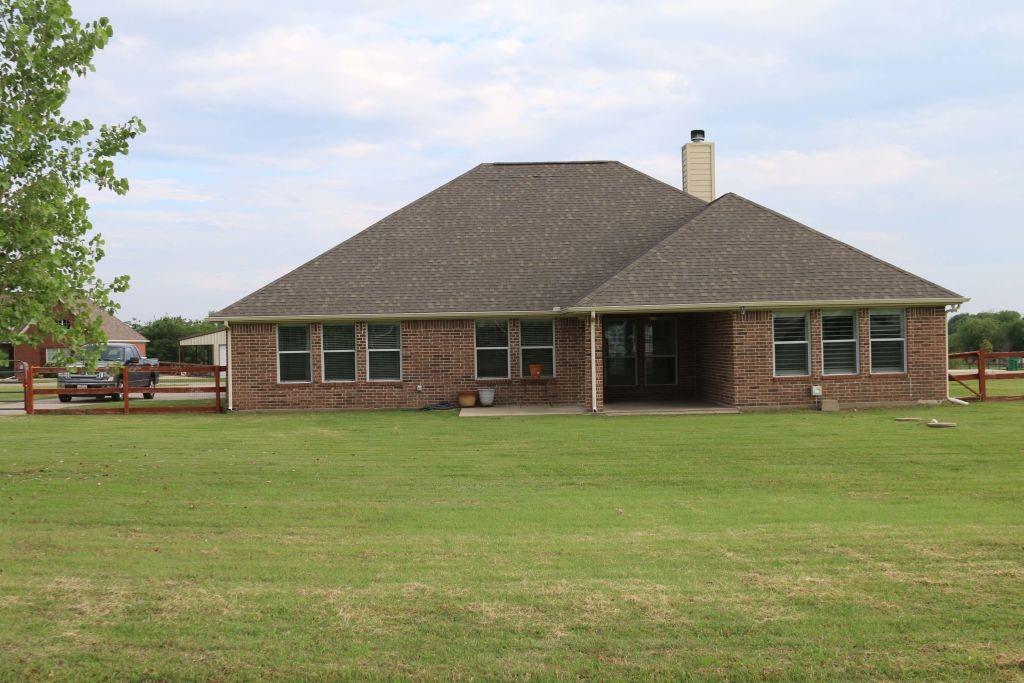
696, 135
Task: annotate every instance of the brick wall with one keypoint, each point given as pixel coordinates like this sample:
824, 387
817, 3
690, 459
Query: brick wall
924, 380
437, 355
714, 349
724, 357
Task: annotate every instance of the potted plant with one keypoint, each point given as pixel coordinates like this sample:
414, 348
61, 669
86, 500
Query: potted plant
535, 370
467, 399
486, 396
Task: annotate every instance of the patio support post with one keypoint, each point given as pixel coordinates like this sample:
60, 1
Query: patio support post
227, 368
593, 361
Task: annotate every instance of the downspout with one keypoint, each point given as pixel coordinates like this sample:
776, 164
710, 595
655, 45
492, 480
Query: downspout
593, 361
950, 398
231, 402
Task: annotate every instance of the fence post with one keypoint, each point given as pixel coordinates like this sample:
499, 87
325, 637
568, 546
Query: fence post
27, 389
981, 374
216, 384
124, 388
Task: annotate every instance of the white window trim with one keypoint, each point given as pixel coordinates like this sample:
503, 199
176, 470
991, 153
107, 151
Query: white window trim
401, 364
636, 358
278, 352
477, 349
554, 359
902, 338
675, 340
806, 342
50, 354
856, 342
354, 351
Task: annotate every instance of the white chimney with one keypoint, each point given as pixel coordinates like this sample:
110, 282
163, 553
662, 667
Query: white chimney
699, 167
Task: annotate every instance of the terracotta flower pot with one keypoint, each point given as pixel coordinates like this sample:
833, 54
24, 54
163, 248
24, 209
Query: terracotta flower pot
535, 370
467, 399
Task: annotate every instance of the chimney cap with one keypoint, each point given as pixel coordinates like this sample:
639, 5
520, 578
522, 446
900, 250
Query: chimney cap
697, 135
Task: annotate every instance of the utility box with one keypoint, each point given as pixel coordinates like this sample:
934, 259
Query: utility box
829, 405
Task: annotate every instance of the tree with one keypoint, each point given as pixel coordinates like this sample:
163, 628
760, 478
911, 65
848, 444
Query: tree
1004, 331
165, 333
47, 255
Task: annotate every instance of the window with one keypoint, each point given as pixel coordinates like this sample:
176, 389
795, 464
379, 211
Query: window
792, 351
839, 343
112, 354
294, 360
491, 349
384, 351
339, 352
52, 355
888, 341
537, 346
660, 351
620, 353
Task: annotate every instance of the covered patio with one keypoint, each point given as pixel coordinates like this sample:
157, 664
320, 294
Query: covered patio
669, 362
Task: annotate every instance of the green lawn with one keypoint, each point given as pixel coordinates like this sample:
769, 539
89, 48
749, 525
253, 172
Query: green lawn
790, 546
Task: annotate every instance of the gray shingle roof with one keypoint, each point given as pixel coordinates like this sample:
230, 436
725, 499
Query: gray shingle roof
737, 251
502, 237
536, 236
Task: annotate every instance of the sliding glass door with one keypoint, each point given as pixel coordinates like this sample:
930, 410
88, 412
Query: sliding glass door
659, 351
628, 364
620, 352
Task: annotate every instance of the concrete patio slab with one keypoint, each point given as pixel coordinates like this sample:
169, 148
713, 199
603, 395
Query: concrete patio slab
515, 411
667, 408
610, 409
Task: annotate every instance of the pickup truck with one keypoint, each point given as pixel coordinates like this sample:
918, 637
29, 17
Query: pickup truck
108, 372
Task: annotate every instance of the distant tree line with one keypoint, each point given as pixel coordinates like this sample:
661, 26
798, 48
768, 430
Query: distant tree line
165, 332
1002, 331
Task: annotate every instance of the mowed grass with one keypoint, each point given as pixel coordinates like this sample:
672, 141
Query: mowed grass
793, 545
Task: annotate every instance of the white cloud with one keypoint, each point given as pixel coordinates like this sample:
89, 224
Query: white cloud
841, 171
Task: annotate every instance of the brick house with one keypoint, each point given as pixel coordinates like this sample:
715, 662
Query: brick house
613, 285
114, 329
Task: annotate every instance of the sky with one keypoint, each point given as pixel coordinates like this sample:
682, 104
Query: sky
278, 129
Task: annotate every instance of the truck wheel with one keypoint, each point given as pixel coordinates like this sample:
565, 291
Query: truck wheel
117, 396
64, 398
150, 395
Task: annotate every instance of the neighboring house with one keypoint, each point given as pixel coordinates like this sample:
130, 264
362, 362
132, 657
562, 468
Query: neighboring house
620, 287
45, 352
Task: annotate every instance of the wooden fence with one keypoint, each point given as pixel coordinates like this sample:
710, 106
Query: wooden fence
125, 389
984, 375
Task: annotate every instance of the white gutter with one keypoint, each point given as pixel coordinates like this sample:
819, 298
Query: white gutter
231, 403
765, 305
949, 397
357, 317
593, 361
581, 310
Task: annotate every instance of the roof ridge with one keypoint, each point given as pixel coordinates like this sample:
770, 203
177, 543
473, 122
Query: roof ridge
352, 237
653, 248
840, 242
546, 163
660, 181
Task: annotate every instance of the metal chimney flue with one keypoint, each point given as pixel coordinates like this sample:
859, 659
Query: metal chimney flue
696, 135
